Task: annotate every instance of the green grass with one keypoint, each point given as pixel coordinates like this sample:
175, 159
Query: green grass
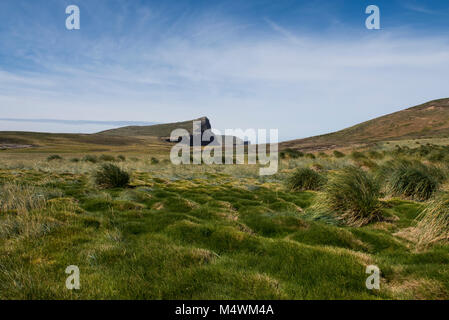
111, 176
411, 179
306, 179
433, 226
199, 232
352, 196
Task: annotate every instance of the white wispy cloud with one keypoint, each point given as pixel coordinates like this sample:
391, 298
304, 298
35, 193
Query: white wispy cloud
302, 85
419, 8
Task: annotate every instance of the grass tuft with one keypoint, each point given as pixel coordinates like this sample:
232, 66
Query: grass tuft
412, 179
90, 158
305, 179
352, 195
107, 157
111, 176
338, 154
433, 222
54, 157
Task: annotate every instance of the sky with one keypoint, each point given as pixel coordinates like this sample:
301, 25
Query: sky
302, 67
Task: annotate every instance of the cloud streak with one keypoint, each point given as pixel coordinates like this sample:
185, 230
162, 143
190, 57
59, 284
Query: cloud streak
303, 84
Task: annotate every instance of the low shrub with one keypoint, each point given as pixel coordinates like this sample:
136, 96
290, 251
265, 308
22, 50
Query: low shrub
154, 160
305, 179
111, 176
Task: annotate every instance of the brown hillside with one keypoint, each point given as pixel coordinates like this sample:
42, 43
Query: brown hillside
158, 130
428, 120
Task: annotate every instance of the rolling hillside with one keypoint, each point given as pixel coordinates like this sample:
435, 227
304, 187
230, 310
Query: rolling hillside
158, 130
124, 138
428, 120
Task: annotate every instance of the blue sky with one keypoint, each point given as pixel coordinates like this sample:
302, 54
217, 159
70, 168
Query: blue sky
304, 67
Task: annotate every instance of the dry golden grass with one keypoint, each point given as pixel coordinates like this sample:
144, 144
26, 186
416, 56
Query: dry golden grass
433, 225
21, 198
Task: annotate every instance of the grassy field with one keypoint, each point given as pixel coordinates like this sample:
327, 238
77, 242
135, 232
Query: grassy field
213, 232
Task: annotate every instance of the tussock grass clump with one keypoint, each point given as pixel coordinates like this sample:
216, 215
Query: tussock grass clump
373, 154
54, 157
90, 158
291, 153
305, 179
111, 176
310, 156
317, 167
437, 156
356, 155
338, 154
323, 155
412, 179
433, 222
21, 208
352, 195
20, 198
107, 157
366, 163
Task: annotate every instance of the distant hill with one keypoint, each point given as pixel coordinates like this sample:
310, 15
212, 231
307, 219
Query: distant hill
428, 120
155, 136
158, 130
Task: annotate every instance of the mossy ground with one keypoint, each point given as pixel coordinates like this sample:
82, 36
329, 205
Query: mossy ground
201, 232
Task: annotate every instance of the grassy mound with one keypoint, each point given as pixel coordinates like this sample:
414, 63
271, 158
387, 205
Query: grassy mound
433, 225
90, 158
107, 157
54, 157
412, 179
111, 176
338, 154
352, 196
197, 232
305, 179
